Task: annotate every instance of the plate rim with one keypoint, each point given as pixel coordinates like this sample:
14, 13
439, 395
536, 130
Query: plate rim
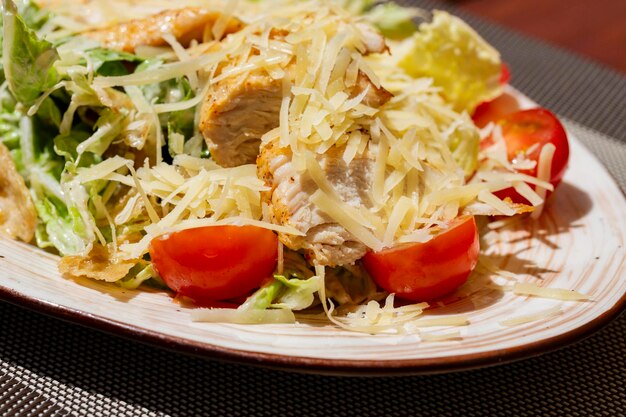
305, 364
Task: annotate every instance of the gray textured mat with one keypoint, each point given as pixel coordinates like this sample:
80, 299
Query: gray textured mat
48, 367
89, 373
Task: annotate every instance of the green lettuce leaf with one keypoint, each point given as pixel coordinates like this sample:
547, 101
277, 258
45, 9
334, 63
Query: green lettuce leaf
140, 274
109, 63
458, 60
9, 121
393, 21
356, 6
60, 228
49, 113
179, 122
33, 16
108, 127
65, 145
282, 292
27, 60
297, 294
263, 297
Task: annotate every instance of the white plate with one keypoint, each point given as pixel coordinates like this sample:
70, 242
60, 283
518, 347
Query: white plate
577, 244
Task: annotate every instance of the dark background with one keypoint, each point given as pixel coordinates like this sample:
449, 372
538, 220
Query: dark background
593, 28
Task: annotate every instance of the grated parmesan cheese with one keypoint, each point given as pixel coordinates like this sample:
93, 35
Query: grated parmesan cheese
544, 169
555, 293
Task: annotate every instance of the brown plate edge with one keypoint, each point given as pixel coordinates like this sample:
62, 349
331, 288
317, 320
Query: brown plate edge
345, 367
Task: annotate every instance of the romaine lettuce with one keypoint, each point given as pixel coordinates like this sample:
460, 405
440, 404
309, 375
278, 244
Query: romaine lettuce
282, 292
459, 61
33, 16
109, 63
298, 294
27, 60
392, 20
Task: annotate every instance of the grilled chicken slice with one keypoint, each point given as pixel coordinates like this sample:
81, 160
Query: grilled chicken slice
325, 242
238, 111
184, 24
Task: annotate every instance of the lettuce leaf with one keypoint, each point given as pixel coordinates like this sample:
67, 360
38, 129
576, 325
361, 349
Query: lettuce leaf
297, 294
108, 127
263, 297
459, 61
356, 6
393, 21
9, 121
109, 63
284, 293
27, 60
28, 65
59, 228
33, 16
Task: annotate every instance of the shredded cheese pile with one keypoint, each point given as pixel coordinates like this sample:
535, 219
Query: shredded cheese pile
319, 52
192, 192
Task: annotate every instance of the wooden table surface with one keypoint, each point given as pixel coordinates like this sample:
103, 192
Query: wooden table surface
592, 28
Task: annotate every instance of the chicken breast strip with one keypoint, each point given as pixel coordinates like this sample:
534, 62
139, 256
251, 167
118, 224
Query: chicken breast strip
325, 242
184, 24
238, 111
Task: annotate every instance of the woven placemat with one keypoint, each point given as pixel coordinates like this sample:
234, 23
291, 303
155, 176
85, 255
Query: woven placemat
48, 367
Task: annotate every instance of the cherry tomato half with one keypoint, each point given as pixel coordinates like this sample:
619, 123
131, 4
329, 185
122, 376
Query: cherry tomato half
525, 133
430, 270
215, 262
494, 110
490, 111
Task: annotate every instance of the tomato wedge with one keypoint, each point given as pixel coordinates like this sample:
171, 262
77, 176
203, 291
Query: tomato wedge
430, 270
525, 133
215, 262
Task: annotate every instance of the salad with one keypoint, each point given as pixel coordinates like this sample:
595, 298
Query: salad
263, 158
